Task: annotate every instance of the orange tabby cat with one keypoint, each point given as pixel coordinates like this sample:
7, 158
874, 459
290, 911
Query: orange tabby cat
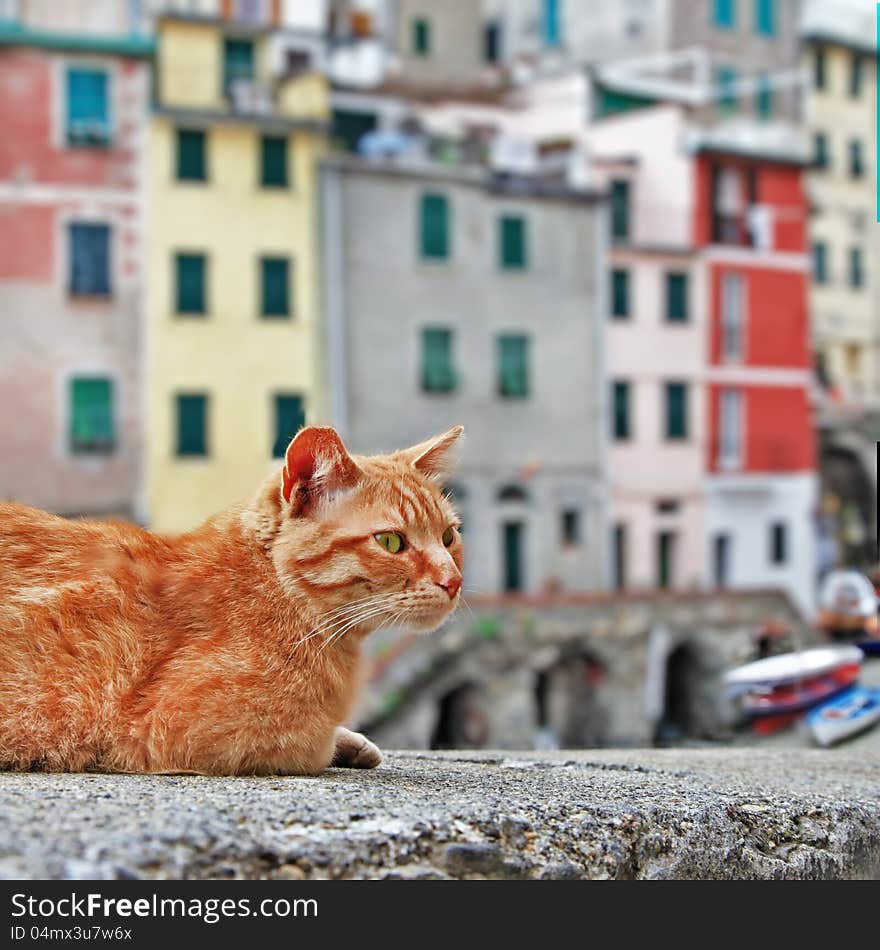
233, 649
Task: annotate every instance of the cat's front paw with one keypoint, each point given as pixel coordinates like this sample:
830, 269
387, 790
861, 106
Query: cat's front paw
354, 751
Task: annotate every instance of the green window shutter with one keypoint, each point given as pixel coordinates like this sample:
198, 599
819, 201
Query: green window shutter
513, 366
290, 417
856, 164
820, 263
619, 293
238, 61
192, 418
676, 411
765, 17
855, 76
512, 242
190, 283
435, 227
856, 272
273, 162
421, 37
820, 150
726, 77
438, 375
275, 281
819, 68
91, 416
620, 408
620, 210
724, 13
191, 155
764, 99
676, 298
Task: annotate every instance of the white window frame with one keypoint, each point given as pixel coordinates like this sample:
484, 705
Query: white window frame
731, 429
734, 293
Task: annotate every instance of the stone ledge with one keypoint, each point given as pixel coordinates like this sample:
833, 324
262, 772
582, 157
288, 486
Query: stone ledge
727, 813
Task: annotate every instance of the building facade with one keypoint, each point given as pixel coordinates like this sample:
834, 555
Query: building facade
72, 183
233, 364
450, 299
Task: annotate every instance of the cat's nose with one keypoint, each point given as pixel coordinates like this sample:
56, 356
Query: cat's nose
452, 586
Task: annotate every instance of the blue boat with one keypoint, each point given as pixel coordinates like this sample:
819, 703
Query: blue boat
844, 716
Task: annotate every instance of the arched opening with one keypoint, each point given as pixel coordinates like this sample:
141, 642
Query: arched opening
462, 719
513, 493
679, 707
846, 526
568, 712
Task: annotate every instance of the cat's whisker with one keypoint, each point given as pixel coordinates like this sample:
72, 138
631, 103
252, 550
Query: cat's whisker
354, 622
329, 621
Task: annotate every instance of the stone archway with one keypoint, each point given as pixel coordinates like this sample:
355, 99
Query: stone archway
848, 510
569, 711
462, 719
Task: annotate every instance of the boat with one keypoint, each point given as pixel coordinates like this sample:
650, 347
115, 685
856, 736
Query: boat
844, 716
848, 606
869, 646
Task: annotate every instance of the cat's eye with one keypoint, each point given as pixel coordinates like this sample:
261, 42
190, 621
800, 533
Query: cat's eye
390, 540
448, 536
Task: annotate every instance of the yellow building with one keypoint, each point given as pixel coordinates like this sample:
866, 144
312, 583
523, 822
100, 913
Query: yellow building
841, 61
233, 349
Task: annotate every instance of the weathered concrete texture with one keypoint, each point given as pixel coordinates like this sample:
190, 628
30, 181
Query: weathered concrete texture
636, 814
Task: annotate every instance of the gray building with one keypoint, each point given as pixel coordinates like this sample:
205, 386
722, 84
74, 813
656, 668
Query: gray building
452, 297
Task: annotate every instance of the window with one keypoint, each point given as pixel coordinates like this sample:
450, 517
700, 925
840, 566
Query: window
730, 429
819, 68
667, 506
676, 411
765, 17
438, 375
492, 42
512, 242
820, 262
513, 366
273, 162
778, 542
856, 270
820, 150
855, 75
88, 114
191, 297
733, 314
191, 155
513, 548
618, 556
513, 493
571, 526
726, 78
856, 162
620, 423
665, 559
192, 419
620, 293
721, 545
421, 37
290, 417
89, 260
238, 62
620, 210
435, 227
550, 24
91, 416
274, 286
724, 13
676, 298
764, 97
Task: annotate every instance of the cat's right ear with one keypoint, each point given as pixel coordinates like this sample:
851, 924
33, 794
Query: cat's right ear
316, 464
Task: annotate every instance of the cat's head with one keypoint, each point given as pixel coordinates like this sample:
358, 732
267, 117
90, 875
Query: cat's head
372, 541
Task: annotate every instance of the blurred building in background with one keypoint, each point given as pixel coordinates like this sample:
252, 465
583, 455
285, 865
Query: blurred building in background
452, 295
72, 259
233, 364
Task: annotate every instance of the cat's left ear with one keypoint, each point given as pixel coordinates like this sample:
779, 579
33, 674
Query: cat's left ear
316, 464
434, 457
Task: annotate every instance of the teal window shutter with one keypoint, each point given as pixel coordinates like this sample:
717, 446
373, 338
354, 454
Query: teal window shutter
856, 271
856, 161
620, 293
438, 375
290, 417
421, 37
91, 416
764, 100
820, 263
765, 17
726, 78
434, 217
191, 297
820, 150
513, 366
512, 242
89, 260
819, 68
238, 62
192, 419
273, 162
620, 410
724, 13
88, 113
191, 155
676, 411
620, 210
676, 298
855, 75
550, 23
275, 281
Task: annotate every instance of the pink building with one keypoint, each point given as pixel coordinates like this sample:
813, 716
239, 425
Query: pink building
73, 114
